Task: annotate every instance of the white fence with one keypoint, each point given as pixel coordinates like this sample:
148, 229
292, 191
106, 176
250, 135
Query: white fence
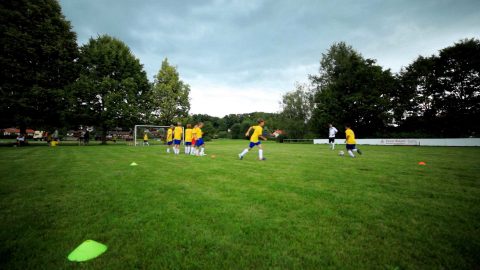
422, 142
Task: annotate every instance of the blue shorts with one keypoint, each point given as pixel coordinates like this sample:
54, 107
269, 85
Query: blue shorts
199, 142
188, 143
252, 144
170, 142
350, 146
177, 142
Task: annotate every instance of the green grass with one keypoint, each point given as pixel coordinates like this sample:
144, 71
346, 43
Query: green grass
303, 208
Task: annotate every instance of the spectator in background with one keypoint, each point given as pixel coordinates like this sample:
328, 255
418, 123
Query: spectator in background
86, 137
21, 140
55, 135
81, 137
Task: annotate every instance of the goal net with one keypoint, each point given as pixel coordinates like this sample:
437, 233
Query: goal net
157, 135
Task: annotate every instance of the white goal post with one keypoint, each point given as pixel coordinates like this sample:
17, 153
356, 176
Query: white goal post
147, 127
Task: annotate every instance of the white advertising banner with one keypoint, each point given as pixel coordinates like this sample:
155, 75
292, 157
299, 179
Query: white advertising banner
419, 142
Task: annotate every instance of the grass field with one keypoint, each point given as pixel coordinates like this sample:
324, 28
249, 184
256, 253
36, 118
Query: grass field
302, 208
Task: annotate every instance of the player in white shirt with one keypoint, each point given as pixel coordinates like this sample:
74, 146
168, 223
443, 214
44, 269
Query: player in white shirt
331, 135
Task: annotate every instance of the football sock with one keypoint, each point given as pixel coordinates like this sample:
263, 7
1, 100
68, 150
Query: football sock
260, 154
244, 152
351, 153
202, 151
168, 150
333, 146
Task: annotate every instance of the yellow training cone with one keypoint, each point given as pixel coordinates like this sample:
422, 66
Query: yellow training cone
86, 251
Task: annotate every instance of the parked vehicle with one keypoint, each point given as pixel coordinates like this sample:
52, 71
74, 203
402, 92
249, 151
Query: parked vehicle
38, 135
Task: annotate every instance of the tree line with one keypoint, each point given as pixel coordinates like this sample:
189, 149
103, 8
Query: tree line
434, 96
47, 81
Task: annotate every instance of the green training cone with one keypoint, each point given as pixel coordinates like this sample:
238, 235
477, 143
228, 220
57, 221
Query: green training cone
86, 251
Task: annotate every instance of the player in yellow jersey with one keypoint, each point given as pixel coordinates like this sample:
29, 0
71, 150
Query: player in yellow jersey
257, 133
177, 138
199, 144
350, 141
170, 138
188, 139
145, 139
194, 138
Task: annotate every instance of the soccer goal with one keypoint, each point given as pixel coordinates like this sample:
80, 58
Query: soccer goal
157, 135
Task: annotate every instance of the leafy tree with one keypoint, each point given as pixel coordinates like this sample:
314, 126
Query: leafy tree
37, 54
239, 123
224, 135
457, 75
222, 125
209, 131
235, 131
215, 121
244, 127
297, 107
170, 96
272, 120
232, 119
113, 89
440, 95
414, 111
352, 89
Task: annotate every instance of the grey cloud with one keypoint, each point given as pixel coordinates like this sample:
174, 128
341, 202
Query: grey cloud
248, 42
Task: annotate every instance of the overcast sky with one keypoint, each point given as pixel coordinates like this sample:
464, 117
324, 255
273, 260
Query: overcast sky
241, 56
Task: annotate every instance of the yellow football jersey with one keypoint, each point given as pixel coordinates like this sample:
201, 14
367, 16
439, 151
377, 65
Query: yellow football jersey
178, 133
198, 132
145, 137
257, 131
188, 135
169, 135
350, 136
